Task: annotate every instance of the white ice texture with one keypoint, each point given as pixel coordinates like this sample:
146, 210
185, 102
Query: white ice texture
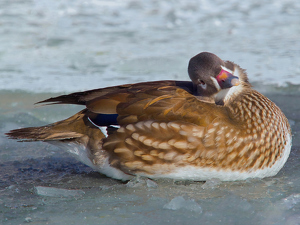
180, 203
58, 192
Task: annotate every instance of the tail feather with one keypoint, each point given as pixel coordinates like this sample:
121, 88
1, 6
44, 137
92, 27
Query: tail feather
44, 133
76, 127
78, 136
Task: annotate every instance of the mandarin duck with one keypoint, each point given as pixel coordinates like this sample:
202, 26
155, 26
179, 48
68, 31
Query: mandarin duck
214, 126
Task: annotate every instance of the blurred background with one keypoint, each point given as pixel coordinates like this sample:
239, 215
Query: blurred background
67, 45
52, 47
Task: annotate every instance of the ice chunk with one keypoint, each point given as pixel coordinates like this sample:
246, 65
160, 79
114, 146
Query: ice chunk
151, 183
290, 201
180, 203
141, 182
57, 192
211, 184
136, 182
28, 220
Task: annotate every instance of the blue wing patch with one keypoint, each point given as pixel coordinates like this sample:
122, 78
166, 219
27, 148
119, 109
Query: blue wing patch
105, 119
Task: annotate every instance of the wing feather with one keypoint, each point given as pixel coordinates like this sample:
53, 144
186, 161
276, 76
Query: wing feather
81, 98
168, 104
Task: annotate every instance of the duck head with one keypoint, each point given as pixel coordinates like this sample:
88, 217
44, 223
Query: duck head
211, 75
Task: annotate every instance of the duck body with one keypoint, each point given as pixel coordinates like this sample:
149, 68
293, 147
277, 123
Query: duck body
215, 126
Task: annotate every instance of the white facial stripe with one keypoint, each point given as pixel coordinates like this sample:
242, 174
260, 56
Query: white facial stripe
237, 71
216, 83
226, 69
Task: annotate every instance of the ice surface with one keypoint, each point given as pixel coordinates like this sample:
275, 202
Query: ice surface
151, 183
180, 203
28, 219
51, 46
212, 183
58, 192
140, 182
136, 182
28, 167
65, 46
291, 201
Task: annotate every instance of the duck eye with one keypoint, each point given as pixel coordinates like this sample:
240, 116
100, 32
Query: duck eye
202, 82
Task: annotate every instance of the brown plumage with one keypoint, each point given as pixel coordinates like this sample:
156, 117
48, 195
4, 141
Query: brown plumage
216, 126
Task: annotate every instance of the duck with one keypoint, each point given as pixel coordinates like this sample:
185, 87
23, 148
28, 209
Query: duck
215, 126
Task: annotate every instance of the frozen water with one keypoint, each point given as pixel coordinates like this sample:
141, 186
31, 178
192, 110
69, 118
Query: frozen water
151, 183
58, 46
51, 46
28, 219
180, 203
212, 183
141, 182
136, 182
291, 201
57, 192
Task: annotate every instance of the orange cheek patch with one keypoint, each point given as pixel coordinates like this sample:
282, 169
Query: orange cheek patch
222, 75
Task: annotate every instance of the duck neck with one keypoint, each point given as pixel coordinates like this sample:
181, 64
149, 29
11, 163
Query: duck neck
227, 96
